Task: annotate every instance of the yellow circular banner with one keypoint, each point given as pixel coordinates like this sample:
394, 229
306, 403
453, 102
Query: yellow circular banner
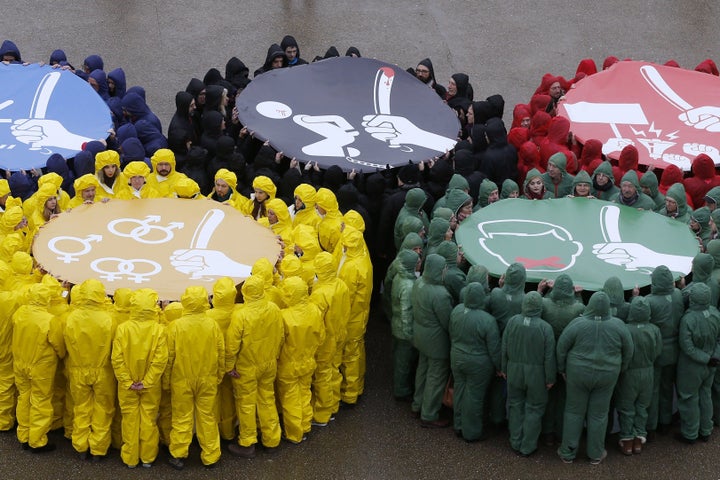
165, 244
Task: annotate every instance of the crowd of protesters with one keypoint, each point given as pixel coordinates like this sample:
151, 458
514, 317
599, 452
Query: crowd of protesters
292, 350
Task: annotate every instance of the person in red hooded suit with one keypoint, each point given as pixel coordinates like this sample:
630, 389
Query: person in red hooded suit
671, 175
704, 178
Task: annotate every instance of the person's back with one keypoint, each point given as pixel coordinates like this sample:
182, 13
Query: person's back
253, 341
474, 358
196, 364
561, 306
139, 357
89, 332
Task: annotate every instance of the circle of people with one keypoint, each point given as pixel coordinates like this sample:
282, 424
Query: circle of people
150, 375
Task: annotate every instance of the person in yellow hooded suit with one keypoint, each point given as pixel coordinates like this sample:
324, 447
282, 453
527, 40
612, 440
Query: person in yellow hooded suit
196, 364
329, 228
304, 333
36, 345
10, 300
356, 272
254, 339
265, 190
224, 190
164, 176
332, 297
107, 170
139, 357
137, 173
303, 210
86, 188
89, 333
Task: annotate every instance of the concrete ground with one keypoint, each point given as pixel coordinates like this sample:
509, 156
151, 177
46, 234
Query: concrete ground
505, 47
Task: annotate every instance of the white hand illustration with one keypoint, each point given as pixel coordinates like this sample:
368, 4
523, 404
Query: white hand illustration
635, 256
696, 149
702, 118
39, 132
399, 131
204, 264
616, 144
680, 161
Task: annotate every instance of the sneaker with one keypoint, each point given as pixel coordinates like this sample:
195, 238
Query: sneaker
240, 451
332, 418
318, 424
176, 463
598, 461
97, 458
565, 460
210, 466
131, 466
147, 465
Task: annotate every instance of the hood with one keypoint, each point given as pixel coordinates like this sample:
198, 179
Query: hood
118, 76
264, 270
352, 240
702, 267
408, 261
38, 295
182, 103
443, 212
508, 187
224, 293
91, 293
306, 193
143, 305
713, 249
101, 79
437, 230
121, 299
8, 47
306, 238
713, 195
195, 300
21, 263
253, 289
649, 180
699, 296
702, 217
461, 183
703, 167
136, 169
630, 176
194, 87
486, 188
592, 149
434, 269
606, 169
662, 282
582, 177
227, 176
427, 63
132, 149
289, 41
462, 81
496, 132
598, 307
261, 182
532, 304
672, 174
326, 200
628, 159
86, 181
355, 220
135, 105
20, 186
558, 130
291, 266
563, 289
497, 103
237, 73
559, 160
94, 62
529, 155
639, 311
415, 199
456, 199
677, 193
274, 51
515, 277
212, 123
173, 311
479, 139
213, 95
57, 56
449, 251
614, 290
478, 274
465, 162
294, 291
475, 296
52, 179
532, 173
325, 266
280, 209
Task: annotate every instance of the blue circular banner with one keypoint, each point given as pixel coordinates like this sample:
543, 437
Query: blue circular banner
44, 110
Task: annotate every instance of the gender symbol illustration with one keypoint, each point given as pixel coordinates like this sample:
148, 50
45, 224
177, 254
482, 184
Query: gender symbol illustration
144, 229
125, 267
632, 256
203, 263
40, 133
68, 257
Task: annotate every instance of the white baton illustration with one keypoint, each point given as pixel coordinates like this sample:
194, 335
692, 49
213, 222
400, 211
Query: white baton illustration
40, 133
205, 264
632, 256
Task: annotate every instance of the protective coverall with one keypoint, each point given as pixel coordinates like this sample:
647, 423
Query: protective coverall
454, 278
404, 353
634, 388
699, 339
169, 314
432, 305
619, 308
254, 338
164, 186
666, 309
89, 333
307, 248
560, 307
304, 333
528, 361
474, 359
412, 242
329, 227
436, 234
332, 297
223, 301
36, 345
121, 314
196, 361
139, 357
265, 270
591, 352
357, 273
504, 302
9, 302
58, 307
307, 215
283, 226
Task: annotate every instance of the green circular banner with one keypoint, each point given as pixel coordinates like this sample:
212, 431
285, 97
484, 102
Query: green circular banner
590, 240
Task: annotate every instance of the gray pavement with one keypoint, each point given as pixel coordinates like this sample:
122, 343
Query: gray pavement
505, 47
